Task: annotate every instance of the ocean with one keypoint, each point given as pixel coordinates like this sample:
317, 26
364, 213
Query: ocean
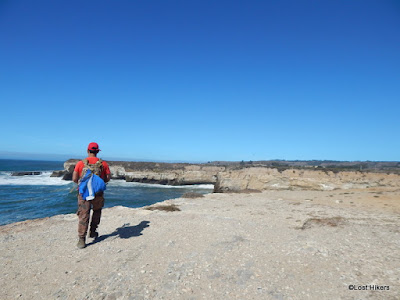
38, 196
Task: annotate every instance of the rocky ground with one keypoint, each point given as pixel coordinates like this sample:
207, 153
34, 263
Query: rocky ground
269, 245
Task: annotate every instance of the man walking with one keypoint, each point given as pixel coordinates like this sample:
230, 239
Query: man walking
96, 165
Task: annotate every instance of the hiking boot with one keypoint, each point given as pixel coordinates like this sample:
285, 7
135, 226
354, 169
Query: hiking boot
81, 243
94, 234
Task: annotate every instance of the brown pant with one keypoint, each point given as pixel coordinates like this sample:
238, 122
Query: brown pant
83, 213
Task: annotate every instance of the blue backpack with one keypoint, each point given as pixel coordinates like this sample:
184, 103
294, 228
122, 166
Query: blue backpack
91, 183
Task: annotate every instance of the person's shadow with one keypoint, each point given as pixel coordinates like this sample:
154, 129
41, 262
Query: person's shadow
124, 232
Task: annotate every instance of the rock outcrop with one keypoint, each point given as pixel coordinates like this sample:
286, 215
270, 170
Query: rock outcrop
183, 175
161, 173
26, 173
59, 173
237, 178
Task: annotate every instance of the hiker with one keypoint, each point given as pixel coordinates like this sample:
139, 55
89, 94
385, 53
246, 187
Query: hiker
89, 174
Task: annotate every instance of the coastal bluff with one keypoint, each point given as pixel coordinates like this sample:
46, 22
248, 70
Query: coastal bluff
251, 177
154, 172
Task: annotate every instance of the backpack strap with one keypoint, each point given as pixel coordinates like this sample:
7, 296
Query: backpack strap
99, 164
84, 169
97, 167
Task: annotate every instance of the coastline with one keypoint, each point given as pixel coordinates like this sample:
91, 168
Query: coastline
238, 177
270, 245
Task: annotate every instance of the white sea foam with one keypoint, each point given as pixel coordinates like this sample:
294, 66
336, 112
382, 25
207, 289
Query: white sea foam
123, 183
45, 179
42, 179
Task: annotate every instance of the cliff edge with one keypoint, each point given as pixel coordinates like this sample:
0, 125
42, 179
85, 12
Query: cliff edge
244, 177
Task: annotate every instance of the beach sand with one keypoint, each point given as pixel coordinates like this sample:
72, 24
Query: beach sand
269, 245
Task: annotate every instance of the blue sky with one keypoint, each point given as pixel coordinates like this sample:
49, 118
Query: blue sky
201, 80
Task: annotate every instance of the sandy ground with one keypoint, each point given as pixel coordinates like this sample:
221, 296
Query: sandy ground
270, 245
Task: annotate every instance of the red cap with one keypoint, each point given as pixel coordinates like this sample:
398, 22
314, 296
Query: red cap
93, 146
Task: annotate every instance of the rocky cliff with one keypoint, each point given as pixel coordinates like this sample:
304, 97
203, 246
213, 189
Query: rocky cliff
228, 178
295, 179
161, 173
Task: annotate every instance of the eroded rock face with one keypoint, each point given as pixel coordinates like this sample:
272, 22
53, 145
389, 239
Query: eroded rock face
272, 179
58, 173
238, 179
176, 177
69, 165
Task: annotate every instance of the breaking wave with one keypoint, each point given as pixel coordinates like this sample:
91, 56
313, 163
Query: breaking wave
123, 183
43, 179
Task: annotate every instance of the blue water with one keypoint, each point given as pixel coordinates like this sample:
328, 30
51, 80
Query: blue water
38, 196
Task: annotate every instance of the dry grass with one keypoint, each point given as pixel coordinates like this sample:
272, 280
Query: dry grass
332, 222
171, 207
192, 195
247, 191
